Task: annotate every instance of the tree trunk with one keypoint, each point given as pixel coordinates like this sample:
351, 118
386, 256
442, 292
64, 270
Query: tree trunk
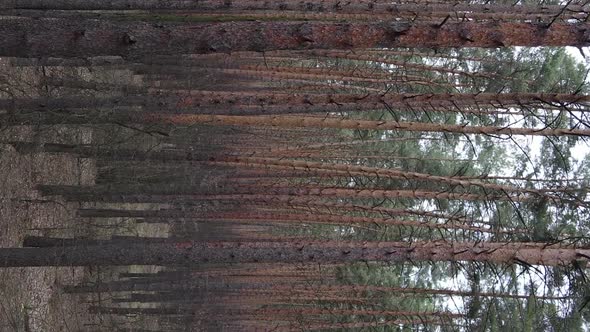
194, 253
339, 123
67, 37
289, 5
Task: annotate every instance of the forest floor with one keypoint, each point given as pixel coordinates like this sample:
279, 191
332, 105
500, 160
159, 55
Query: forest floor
30, 298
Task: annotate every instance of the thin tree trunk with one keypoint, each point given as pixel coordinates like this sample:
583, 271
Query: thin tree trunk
317, 122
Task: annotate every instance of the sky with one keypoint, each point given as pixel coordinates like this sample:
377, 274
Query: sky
582, 148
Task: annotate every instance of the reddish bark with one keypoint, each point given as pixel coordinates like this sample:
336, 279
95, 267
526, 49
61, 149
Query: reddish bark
25, 37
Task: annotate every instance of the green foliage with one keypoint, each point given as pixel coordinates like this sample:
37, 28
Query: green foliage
509, 161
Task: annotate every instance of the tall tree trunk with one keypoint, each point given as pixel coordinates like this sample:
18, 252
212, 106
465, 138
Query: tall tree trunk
71, 37
339, 123
356, 6
192, 253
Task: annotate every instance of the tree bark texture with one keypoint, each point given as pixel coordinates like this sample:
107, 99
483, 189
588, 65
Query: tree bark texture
307, 5
49, 37
339, 123
194, 253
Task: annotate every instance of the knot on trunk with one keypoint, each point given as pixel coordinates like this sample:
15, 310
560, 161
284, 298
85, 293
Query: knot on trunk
129, 39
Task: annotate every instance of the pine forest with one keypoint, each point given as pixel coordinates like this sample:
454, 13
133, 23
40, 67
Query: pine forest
294, 165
